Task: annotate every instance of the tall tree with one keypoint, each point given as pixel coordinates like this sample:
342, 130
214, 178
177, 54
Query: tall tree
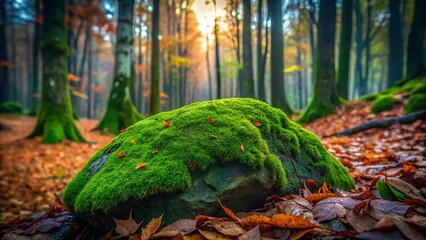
345, 50
416, 64
325, 94
247, 51
54, 120
260, 69
277, 57
395, 43
120, 111
4, 69
216, 38
36, 45
154, 106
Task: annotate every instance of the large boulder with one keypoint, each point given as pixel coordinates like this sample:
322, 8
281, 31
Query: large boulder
181, 162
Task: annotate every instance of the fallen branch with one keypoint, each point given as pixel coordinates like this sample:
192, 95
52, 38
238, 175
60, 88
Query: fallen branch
382, 123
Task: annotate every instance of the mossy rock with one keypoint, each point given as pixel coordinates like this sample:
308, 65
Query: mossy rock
382, 103
232, 149
11, 107
416, 102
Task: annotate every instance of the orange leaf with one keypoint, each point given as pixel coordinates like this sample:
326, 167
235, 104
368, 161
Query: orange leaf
211, 121
229, 212
415, 201
123, 130
120, 154
133, 141
311, 182
409, 168
257, 124
357, 209
242, 148
364, 196
73, 78
151, 228
324, 189
257, 220
290, 221
141, 165
316, 197
167, 124
155, 151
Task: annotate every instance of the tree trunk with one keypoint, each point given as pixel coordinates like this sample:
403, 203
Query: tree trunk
364, 79
70, 34
154, 106
416, 65
29, 82
140, 79
359, 44
278, 95
263, 66
218, 73
89, 78
36, 45
395, 43
4, 70
325, 93
78, 86
247, 51
345, 50
260, 72
209, 76
13, 81
54, 120
121, 112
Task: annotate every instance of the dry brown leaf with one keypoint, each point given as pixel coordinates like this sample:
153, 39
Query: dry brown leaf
141, 165
126, 227
229, 212
182, 226
316, 197
151, 228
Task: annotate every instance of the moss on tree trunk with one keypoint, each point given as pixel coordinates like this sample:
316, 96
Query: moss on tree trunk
54, 121
120, 111
325, 93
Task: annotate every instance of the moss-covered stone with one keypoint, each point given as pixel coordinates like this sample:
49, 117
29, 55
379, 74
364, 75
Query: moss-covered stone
192, 162
382, 103
415, 103
11, 107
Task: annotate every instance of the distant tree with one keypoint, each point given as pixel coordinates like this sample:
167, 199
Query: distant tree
345, 50
247, 51
395, 43
217, 54
54, 120
36, 46
4, 64
154, 106
277, 57
260, 65
120, 111
416, 64
325, 94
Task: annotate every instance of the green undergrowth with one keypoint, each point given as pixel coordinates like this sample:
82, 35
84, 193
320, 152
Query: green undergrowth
416, 102
191, 143
382, 103
11, 107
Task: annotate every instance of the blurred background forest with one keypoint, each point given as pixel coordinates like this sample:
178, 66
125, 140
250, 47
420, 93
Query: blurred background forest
190, 65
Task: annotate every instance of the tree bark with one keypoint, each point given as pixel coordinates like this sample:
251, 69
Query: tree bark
55, 121
154, 106
345, 50
209, 76
121, 112
4, 70
278, 95
325, 94
416, 65
395, 43
247, 51
36, 45
218, 71
260, 71
89, 78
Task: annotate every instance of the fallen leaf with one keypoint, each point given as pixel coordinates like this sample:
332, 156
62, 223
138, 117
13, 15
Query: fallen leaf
361, 222
410, 227
300, 234
227, 228
311, 183
357, 209
213, 236
167, 124
141, 165
257, 124
184, 226
316, 197
133, 141
229, 212
214, 137
151, 228
120, 154
253, 234
123, 130
211, 121
290, 221
257, 220
242, 148
155, 151
126, 227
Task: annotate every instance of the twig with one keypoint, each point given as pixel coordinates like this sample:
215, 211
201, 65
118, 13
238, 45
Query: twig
294, 167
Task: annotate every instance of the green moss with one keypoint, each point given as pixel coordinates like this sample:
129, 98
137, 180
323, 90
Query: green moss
415, 103
11, 107
419, 89
370, 97
187, 144
382, 103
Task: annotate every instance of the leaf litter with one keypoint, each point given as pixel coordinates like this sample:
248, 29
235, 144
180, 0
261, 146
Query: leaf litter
391, 157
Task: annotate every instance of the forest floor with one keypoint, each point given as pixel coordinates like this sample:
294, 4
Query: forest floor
33, 175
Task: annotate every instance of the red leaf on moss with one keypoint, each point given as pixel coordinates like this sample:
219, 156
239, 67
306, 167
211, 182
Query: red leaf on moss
214, 136
155, 151
242, 148
167, 124
123, 130
141, 165
211, 121
133, 141
120, 154
257, 124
